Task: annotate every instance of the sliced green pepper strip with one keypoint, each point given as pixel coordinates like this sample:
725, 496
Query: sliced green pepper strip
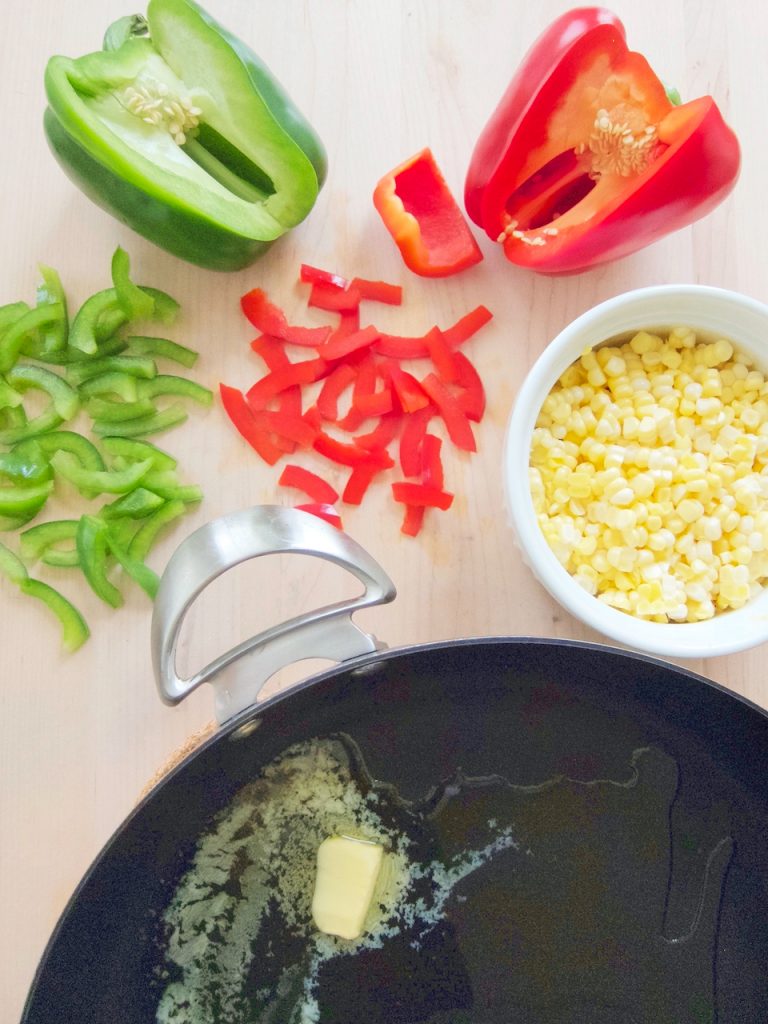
112, 383
146, 578
14, 338
137, 504
54, 338
166, 307
92, 549
109, 347
64, 401
86, 453
12, 566
9, 397
36, 539
135, 366
170, 384
10, 313
25, 464
61, 559
20, 501
123, 529
107, 411
136, 451
167, 485
94, 481
8, 523
147, 534
74, 627
63, 396
137, 304
83, 332
162, 348
154, 424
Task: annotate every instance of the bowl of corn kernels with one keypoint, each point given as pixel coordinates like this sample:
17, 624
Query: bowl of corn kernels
636, 470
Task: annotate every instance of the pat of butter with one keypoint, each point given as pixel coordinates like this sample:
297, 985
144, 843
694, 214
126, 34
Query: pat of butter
347, 870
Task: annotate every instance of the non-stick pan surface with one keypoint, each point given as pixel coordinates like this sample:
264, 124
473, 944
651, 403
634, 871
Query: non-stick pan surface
663, 918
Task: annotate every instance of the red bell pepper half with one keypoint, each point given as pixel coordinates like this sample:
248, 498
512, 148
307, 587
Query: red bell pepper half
586, 158
424, 219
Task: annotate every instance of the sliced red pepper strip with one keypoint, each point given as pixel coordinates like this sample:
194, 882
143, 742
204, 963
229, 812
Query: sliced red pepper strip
272, 351
323, 511
280, 441
329, 297
441, 355
270, 319
339, 348
472, 397
365, 383
424, 219
382, 434
313, 417
376, 404
289, 427
431, 462
413, 520
586, 159
403, 347
290, 402
310, 483
309, 337
466, 326
378, 291
248, 425
358, 483
349, 323
414, 429
262, 313
421, 494
334, 385
305, 372
456, 422
409, 393
398, 346
314, 275
352, 421
350, 454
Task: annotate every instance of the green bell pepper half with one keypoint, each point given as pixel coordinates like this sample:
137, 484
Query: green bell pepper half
217, 170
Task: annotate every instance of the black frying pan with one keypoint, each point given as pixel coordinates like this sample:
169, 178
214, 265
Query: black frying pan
639, 898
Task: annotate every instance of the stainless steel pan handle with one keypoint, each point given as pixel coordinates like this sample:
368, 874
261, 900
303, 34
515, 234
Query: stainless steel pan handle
329, 632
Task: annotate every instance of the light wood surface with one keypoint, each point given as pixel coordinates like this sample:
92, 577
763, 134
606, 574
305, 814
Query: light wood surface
81, 735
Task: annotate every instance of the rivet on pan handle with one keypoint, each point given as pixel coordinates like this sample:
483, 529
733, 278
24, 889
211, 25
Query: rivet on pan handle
329, 632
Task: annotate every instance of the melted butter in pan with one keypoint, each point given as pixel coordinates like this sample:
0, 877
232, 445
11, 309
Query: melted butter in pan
561, 901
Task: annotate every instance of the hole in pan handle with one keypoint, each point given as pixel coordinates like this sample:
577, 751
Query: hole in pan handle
328, 632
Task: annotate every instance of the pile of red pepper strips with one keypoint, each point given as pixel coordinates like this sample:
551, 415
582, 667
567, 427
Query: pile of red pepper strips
387, 403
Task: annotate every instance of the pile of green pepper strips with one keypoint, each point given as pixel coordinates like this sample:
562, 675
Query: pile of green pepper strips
112, 375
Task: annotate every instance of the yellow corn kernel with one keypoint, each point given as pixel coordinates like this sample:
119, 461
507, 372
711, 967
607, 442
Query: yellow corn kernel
649, 475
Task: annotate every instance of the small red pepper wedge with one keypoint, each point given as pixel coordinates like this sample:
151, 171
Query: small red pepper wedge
586, 159
424, 219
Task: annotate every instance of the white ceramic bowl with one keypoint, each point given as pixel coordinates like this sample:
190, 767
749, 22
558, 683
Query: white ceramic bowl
742, 320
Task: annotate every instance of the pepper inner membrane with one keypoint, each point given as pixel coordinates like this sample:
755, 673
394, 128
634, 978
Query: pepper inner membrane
612, 136
156, 113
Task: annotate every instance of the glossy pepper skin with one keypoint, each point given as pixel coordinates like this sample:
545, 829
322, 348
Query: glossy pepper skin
227, 167
586, 159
